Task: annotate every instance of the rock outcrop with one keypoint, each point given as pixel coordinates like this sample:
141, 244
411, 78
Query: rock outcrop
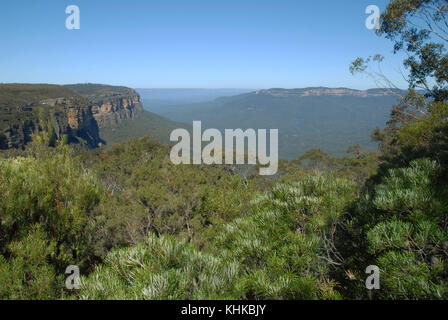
80, 114
111, 112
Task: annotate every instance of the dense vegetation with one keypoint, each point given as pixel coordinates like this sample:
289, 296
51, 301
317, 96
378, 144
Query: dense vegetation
140, 227
12, 95
98, 91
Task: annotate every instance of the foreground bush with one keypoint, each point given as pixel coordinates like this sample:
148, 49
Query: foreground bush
282, 249
285, 244
402, 226
161, 268
47, 222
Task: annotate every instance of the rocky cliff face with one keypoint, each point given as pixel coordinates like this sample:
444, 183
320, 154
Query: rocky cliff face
111, 112
79, 115
17, 135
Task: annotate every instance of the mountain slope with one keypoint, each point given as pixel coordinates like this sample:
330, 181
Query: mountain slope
330, 119
148, 124
156, 100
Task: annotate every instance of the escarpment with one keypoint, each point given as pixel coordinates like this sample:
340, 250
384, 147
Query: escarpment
111, 112
110, 105
78, 111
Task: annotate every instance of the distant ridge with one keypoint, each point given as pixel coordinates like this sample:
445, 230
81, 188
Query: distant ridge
331, 119
320, 91
185, 95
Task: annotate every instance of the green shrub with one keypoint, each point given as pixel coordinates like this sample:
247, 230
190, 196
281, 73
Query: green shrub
285, 243
150, 194
48, 221
27, 274
404, 224
279, 250
161, 268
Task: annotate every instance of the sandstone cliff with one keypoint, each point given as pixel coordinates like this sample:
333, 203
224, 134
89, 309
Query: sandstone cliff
110, 105
77, 111
111, 112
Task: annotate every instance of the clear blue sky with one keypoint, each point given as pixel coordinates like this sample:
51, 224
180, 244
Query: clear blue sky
191, 43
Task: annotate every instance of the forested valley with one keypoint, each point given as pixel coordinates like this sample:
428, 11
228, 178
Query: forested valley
139, 227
